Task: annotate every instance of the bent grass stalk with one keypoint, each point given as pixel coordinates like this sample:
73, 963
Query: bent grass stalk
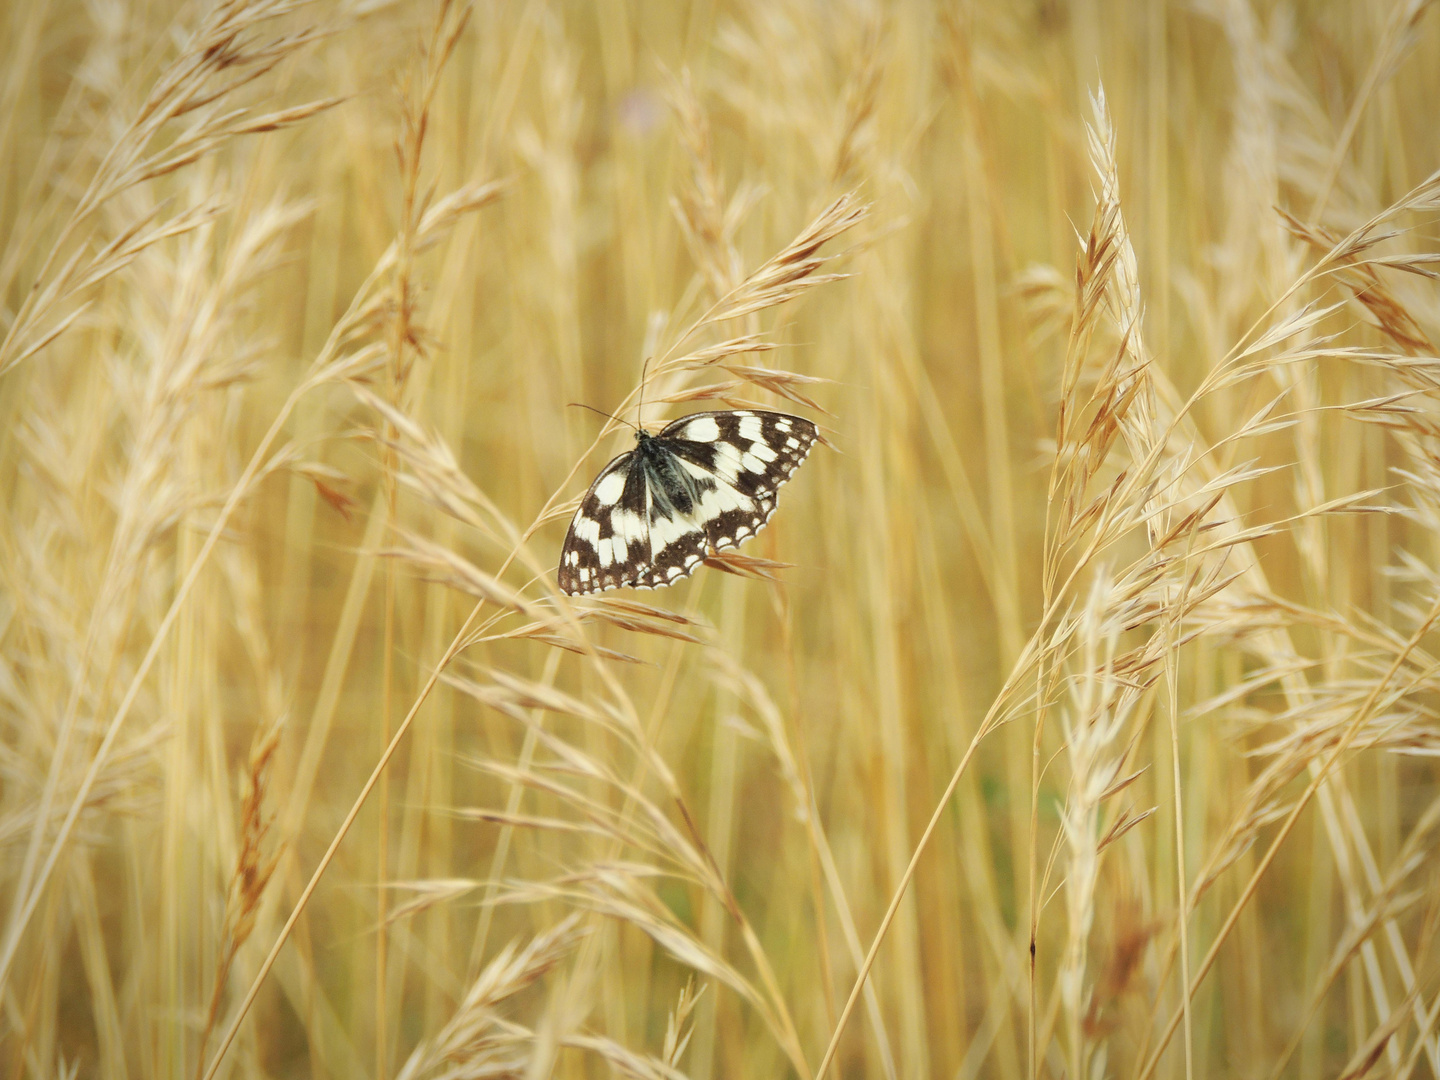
243, 1009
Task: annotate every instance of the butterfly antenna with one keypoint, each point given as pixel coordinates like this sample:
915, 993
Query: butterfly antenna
608, 416
640, 409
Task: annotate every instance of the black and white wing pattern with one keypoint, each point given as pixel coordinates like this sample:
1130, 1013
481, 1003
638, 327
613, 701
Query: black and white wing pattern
708, 480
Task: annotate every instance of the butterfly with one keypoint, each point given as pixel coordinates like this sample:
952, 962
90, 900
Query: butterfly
706, 481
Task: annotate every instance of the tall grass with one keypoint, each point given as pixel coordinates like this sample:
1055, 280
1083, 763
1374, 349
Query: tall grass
1074, 717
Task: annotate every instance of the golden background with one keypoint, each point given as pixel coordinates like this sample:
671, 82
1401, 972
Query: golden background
1119, 319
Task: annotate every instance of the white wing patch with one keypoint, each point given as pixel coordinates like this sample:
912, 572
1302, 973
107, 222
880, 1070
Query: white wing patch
705, 429
728, 462
610, 487
629, 526
587, 528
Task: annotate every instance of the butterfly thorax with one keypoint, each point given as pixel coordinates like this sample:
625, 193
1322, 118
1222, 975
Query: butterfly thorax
672, 489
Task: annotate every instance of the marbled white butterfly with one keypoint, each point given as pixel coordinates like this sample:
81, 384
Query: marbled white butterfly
708, 480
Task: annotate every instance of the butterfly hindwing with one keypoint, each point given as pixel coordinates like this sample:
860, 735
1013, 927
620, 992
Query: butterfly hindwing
708, 480
611, 521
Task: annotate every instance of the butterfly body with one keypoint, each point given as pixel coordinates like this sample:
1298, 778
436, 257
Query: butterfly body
672, 488
706, 481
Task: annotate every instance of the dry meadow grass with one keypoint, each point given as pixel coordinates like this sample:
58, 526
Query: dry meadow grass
1084, 695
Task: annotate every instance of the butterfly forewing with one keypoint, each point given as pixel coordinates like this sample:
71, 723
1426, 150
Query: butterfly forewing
708, 480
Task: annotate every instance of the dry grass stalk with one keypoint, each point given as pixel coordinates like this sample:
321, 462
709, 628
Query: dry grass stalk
611, 888
190, 362
478, 1041
253, 869
1103, 705
223, 55
706, 220
406, 341
791, 271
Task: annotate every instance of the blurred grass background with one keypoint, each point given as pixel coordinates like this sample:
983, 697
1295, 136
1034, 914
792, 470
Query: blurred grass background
277, 278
